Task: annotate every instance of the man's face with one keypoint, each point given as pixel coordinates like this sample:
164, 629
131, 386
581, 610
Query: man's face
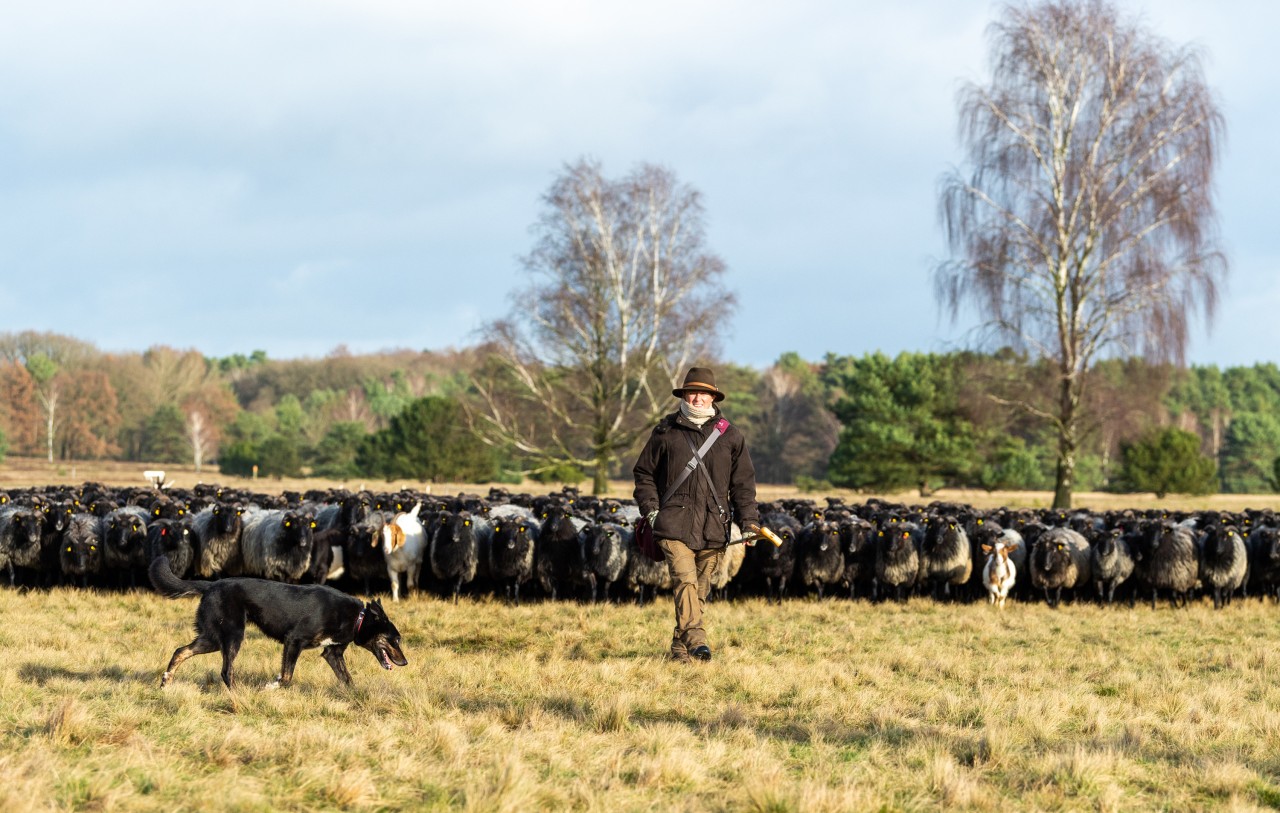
701, 400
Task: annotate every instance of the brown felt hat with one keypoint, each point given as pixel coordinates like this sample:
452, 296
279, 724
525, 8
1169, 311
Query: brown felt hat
699, 379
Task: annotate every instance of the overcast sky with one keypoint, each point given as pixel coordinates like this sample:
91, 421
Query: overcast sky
295, 176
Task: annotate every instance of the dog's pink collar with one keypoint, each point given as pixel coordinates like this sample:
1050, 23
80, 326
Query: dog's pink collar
359, 619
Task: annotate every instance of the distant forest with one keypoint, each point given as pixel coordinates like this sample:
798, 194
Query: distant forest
917, 420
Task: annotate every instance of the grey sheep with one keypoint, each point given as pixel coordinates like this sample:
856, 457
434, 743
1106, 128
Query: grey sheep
819, 557
643, 574
276, 544
1060, 561
946, 559
1223, 563
1167, 559
1112, 562
218, 529
606, 545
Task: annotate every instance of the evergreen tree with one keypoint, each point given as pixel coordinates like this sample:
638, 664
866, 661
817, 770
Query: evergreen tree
164, 437
428, 440
1252, 442
902, 423
335, 454
1167, 461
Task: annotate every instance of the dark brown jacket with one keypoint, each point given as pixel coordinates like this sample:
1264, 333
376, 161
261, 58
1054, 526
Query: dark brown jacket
691, 515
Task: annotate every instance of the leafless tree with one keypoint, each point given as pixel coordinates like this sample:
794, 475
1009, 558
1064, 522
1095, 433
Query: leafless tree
624, 295
1085, 227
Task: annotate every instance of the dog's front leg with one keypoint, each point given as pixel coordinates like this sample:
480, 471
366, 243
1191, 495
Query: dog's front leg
333, 654
292, 649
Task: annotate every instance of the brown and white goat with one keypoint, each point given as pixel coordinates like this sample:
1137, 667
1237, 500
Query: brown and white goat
1000, 572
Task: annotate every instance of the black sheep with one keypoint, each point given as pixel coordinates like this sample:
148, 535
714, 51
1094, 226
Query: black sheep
456, 547
560, 561
819, 557
945, 556
515, 537
857, 541
897, 557
774, 564
21, 528
80, 555
175, 539
124, 543
1264, 561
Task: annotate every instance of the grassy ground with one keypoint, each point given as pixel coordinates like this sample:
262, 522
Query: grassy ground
811, 706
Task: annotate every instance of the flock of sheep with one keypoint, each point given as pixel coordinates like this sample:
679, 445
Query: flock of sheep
567, 545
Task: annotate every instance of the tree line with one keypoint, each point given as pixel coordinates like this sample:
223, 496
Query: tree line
915, 421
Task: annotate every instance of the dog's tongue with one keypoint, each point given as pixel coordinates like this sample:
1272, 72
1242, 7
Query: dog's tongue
386, 660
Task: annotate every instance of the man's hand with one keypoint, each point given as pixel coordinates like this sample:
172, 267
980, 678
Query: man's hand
749, 530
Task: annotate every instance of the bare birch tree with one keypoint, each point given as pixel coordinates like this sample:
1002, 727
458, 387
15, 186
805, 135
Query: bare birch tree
624, 296
44, 371
1085, 226
199, 437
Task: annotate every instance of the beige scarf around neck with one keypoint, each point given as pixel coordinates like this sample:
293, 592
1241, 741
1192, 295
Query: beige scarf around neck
696, 416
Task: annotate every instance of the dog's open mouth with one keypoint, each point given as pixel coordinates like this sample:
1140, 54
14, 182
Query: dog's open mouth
390, 656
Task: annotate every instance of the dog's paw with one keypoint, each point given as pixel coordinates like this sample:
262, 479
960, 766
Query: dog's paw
165, 678
274, 683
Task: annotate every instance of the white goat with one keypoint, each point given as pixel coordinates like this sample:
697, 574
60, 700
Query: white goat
404, 543
1000, 572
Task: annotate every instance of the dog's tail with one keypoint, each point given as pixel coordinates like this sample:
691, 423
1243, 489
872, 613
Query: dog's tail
166, 583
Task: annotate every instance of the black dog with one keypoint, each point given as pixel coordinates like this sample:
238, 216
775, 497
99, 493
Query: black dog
298, 616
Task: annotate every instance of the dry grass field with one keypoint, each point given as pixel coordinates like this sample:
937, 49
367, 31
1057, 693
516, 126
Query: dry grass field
811, 706
807, 706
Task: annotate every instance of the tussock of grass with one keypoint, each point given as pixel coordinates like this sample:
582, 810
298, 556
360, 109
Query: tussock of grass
812, 706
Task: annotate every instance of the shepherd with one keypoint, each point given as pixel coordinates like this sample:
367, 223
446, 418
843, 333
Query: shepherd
692, 480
